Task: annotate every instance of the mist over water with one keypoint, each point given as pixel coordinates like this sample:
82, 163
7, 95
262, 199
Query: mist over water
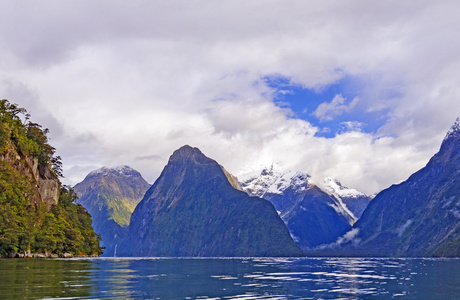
242, 278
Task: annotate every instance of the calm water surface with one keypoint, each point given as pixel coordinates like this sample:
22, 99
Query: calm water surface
246, 278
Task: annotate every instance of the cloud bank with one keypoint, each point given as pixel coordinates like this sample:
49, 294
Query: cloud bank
128, 83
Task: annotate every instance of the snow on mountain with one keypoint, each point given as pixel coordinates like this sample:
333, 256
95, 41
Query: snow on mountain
355, 202
334, 187
273, 180
301, 204
454, 130
119, 170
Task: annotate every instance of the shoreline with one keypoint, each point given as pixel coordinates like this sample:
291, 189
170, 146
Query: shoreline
45, 255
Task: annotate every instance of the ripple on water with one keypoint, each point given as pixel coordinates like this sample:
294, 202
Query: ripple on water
246, 278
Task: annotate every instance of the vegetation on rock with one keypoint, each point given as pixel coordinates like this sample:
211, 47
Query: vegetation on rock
29, 171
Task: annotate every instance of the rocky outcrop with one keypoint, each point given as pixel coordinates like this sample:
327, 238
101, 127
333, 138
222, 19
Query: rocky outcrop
45, 183
37, 213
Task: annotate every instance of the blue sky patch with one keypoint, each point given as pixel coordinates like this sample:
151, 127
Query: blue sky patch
304, 102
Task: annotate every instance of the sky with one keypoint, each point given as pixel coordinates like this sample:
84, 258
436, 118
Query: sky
361, 91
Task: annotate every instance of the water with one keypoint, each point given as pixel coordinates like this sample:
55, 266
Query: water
246, 278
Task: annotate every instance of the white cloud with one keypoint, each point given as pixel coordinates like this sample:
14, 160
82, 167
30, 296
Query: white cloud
352, 126
328, 111
350, 237
116, 82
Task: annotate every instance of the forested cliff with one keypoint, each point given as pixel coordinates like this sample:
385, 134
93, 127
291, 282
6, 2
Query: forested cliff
37, 213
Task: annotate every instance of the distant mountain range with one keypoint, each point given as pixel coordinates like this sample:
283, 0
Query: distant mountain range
313, 216
197, 208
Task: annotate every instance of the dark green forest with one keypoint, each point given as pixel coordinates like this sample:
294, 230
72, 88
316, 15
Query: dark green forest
25, 223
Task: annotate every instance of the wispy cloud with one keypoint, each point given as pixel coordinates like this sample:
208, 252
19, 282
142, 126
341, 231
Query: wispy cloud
352, 126
327, 111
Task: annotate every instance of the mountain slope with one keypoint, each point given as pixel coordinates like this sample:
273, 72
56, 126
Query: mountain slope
312, 216
193, 210
421, 216
110, 196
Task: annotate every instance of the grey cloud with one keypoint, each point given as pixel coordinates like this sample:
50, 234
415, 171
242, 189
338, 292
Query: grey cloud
18, 92
120, 76
175, 134
86, 138
152, 157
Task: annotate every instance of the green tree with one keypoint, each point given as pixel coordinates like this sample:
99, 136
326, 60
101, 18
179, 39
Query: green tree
25, 224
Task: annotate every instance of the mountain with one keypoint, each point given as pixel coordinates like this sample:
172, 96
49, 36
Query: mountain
110, 196
355, 201
312, 216
420, 216
194, 209
38, 216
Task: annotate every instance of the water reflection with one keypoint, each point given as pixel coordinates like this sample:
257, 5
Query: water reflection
256, 278
43, 278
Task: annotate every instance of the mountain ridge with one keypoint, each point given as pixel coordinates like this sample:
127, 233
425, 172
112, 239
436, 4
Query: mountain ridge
421, 215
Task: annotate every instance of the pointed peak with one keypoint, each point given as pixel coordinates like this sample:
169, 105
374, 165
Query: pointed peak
454, 131
187, 151
187, 155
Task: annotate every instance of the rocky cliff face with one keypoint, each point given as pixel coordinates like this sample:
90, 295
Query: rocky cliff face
110, 196
45, 183
193, 210
419, 217
37, 214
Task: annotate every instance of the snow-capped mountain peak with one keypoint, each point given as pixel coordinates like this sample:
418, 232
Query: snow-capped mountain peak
352, 200
119, 171
274, 180
292, 179
301, 204
334, 187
